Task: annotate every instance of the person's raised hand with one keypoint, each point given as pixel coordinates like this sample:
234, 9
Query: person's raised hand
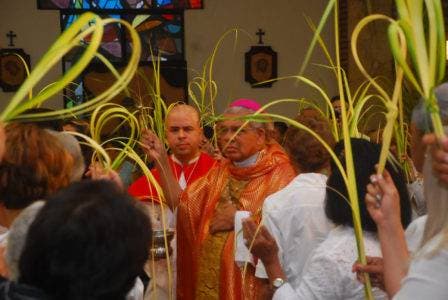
152, 145
98, 172
438, 149
382, 200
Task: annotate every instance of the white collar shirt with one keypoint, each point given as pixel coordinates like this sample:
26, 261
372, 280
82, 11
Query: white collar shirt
295, 217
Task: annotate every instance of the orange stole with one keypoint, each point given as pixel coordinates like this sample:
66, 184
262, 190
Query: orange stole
272, 172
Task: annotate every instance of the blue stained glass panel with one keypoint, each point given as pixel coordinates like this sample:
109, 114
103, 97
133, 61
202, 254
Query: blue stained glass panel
118, 4
107, 4
163, 2
159, 35
173, 28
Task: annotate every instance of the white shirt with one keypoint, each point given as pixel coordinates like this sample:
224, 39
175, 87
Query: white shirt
182, 180
136, 293
414, 233
296, 218
417, 197
426, 277
328, 273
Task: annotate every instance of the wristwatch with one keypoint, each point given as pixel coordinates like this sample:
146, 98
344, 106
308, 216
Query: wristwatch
278, 282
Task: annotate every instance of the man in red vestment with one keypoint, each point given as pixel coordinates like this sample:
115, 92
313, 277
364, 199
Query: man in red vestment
187, 163
255, 168
173, 173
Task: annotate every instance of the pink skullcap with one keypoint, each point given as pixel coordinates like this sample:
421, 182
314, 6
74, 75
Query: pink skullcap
246, 103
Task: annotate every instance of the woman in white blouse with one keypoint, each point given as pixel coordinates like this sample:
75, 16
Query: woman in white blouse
328, 273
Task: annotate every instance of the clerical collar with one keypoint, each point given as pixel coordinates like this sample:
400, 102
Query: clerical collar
247, 162
189, 163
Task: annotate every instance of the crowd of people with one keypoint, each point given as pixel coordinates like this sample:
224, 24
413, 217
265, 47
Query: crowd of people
74, 231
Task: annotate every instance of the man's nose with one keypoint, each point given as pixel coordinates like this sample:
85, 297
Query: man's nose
224, 136
229, 137
181, 134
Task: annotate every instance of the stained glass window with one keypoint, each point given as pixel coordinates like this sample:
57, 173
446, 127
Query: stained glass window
118, 4
161, 36
111, 44
160, 25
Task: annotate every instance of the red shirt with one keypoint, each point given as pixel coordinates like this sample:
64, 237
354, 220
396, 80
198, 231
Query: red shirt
143, 190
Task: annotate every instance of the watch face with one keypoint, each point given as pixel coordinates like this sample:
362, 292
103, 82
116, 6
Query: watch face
278, 282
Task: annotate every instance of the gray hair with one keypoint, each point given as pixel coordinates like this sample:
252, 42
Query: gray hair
435, 193
71, 145
421, 117
239, 110
17, 237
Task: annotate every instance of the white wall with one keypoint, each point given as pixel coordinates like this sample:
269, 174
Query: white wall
286, 32
282, 20
36, 30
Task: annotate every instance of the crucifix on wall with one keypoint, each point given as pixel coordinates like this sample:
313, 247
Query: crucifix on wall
260, 34
260, 64
13, 65
11, 36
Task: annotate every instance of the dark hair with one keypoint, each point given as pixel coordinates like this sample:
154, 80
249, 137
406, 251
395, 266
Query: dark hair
335, 98
304, 149
80, 126
53, 124
19, 186
208, 132
89, 241
282, 127
365, 156
129, 103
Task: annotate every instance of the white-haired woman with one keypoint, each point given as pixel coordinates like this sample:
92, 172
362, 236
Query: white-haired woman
422, 274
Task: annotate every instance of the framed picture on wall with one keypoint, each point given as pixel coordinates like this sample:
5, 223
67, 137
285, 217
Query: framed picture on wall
260, 66
13, 69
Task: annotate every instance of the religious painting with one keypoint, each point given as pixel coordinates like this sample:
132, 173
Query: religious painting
260, 66
119, 4
13, 69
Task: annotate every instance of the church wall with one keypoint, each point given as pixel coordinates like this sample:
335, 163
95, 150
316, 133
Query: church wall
286, 32
282, 20
36, 30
